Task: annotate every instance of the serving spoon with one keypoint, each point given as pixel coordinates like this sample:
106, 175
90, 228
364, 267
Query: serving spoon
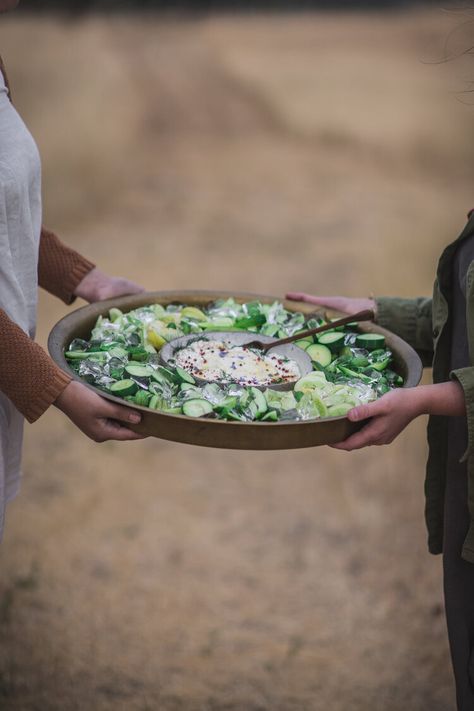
366, 315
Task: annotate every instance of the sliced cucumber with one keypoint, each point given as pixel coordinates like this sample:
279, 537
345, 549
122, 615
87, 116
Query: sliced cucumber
83, 355
159, 310
154, 402
234, 415
184, 376
108, 346
139, 371
220, 322
353, 374
259, 399
316, 375
137, 355
230, 402
303, 343
371, 341
194, 313
164, 373
142, 398
270, 416
228, 405
270, 329
197, 407
393, 378
171, 319
340, 410
76, 355
184, 387
244, 398
123, 387
332, 339
311, 406
160, 378
320, 406
118, 352
114, 314
251, 410
177, 410
381, 364
319, 354
310, 382
359, 362
378, 354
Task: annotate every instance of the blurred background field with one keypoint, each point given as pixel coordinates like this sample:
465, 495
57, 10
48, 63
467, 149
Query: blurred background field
266, 152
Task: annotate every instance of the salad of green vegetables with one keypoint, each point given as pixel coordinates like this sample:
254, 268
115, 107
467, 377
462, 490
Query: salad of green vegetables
122, 358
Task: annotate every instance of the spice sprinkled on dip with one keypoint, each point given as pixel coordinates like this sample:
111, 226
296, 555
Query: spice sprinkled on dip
216, 361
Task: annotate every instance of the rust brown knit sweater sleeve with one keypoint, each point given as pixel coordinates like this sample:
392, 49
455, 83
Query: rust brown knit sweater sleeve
28, 376
60, 268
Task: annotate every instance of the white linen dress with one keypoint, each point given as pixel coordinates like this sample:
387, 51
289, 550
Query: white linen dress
20, 228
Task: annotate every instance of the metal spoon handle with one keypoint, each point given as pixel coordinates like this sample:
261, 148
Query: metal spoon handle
366, 315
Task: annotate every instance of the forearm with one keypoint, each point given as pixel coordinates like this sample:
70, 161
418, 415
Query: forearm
441, 399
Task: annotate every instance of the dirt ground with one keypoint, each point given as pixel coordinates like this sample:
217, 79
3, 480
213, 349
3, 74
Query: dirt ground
261, 153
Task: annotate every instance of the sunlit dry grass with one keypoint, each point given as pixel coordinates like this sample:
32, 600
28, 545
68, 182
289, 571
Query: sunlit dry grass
262, 153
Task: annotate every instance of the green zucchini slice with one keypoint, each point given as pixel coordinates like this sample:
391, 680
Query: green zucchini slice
334, 340
260, 401
123, 387
197, 407
370, 341
184, 376
139, 371
303, 343
319, 354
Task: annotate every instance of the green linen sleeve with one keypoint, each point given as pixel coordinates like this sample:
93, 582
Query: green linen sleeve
465, 377
411, 319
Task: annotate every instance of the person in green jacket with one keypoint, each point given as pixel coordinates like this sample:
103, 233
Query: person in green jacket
441, 329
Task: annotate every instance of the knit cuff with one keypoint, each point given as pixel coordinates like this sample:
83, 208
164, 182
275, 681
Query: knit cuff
79, 271
60, 268
48, 395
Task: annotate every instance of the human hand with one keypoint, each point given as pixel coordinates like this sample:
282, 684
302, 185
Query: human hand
97, 286
388, 417
97, 417
395, 410
339, 303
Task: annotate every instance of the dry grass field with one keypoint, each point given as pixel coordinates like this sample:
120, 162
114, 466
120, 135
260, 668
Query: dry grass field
259, 153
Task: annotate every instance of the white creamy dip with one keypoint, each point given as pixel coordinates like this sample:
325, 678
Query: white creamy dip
216, 361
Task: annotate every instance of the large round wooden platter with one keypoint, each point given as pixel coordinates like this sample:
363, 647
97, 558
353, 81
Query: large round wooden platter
221, 433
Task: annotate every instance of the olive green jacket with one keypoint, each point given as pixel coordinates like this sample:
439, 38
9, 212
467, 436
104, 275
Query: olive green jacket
424, 323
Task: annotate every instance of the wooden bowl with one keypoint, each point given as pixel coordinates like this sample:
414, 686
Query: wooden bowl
221, 433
